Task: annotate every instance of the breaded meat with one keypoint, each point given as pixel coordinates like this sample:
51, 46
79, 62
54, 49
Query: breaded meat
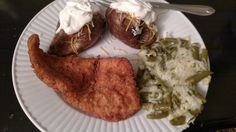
101, 87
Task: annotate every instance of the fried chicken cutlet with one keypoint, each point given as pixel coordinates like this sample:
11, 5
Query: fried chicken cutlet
101, 87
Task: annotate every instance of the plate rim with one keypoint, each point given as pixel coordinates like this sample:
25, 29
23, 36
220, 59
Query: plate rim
19, 98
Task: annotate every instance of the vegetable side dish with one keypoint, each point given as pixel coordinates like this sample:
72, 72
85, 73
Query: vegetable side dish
168, 79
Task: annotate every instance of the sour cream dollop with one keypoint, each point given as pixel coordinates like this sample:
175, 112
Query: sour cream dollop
75, 15
140, 10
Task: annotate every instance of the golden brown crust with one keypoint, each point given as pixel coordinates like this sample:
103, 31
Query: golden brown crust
119, 21
101, 87
63, 44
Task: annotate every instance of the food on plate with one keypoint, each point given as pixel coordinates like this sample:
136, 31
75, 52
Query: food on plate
80, 26
132, 22
168, 76
100, 87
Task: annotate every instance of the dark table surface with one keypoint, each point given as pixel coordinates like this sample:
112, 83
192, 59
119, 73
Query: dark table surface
218, 32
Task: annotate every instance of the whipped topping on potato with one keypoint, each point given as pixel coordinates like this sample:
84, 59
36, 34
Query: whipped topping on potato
75, 15
140, 10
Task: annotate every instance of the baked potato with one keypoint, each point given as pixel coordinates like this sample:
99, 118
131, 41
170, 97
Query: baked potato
129, 30
64, 44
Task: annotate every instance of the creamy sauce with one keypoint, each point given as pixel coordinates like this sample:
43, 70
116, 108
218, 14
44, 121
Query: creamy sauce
137, 9
75, 15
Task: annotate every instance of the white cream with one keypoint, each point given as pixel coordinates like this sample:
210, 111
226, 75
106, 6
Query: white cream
75, 15
138, 9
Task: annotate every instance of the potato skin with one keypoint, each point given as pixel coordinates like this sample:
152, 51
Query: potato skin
61, 43
117, 22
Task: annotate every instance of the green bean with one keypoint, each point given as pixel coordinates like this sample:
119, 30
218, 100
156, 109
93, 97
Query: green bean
184, 43
150, 93
140, 73
189, 93
158, 114
143, 77
144, 96
194, 112
155, 44
197, 94
168, 98
161, 82
147, 105
145, 93
140, 78
195, 51
172, 49
204, 55
198, 77
163, 62
178, 120
151, 58
169, 56
156, 49
176, 100
169, 41
144, 47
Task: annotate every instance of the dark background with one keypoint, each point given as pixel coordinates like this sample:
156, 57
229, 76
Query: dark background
218, 32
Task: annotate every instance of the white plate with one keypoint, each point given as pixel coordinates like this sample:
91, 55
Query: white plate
49, 112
